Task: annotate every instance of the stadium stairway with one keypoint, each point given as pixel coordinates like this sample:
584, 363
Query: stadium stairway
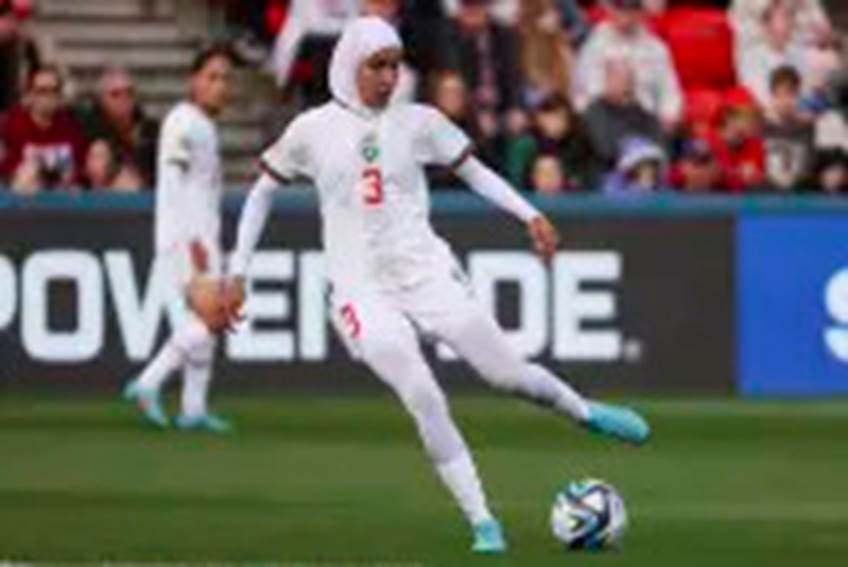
155, 40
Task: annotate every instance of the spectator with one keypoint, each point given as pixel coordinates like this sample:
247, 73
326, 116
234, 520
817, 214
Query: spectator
12, 13
738, 145
788, 134
830, 172
504, 12
640, 169
779, 48
617, 114
103, 171
547, 176
44, 144
697, 170
574, 21
656, 84
546, 57
310, 32
116, 117
486, 56
426, 29
832, 126
387, 9
447, 92
746, 17
252, 36
821, 63
556, 131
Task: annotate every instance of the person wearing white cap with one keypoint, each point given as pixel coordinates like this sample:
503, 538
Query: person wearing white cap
392, 277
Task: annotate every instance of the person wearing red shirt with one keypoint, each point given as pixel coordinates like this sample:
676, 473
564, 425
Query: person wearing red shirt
44, 145
738, 145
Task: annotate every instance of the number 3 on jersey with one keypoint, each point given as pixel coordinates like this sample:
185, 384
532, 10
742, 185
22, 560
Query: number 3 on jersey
372, 179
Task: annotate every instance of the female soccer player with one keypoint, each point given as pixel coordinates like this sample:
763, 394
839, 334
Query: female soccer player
392, 277
188, 225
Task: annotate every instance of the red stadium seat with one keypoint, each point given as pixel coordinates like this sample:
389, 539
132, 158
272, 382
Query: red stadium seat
703, 108
276, 14
701, 43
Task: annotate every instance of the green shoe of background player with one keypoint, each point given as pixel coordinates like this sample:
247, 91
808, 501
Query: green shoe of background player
208, 422
147, 400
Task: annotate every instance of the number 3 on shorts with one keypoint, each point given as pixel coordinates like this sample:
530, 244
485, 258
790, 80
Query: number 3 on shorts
373, 185
351, 320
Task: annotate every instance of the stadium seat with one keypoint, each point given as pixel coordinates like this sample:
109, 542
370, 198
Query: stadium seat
276, 14
703, 107
701, 43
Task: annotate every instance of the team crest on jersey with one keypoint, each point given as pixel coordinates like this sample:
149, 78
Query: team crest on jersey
370, 149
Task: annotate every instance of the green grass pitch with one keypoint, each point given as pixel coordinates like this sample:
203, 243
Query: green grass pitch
343, 481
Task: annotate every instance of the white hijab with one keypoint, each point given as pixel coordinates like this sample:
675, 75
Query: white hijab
362, 38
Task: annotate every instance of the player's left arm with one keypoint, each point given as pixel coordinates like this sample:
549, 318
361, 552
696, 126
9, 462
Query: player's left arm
493, 187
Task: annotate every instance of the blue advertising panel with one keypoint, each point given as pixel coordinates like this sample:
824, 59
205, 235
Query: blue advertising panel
792, 293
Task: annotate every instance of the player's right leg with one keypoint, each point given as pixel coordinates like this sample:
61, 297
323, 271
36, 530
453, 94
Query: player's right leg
447, 311
385, 340
190, 335
480, 341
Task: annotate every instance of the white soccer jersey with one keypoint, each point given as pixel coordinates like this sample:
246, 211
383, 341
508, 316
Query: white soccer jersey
190, 184
369, 172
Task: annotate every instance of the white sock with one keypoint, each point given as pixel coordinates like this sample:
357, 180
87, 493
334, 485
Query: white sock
197, 369
196, 378
559, 394
460, 476
166, 361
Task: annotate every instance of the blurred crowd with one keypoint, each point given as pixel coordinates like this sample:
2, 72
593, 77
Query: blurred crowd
100, 141
620, 96
624, 97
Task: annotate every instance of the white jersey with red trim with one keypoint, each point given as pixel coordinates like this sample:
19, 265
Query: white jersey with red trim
374, 198
189, 180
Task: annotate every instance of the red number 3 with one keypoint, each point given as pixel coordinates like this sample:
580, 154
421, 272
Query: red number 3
351, 319
373, 186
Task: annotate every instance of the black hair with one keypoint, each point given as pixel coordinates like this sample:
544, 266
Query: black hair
205, 55
785, 75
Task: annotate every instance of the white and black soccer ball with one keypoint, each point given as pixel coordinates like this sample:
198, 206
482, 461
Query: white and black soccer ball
588, 514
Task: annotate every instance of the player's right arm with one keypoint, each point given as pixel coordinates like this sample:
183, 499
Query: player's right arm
252, 222
287, 159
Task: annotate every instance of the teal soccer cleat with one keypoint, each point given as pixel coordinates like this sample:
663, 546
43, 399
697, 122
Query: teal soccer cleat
488, 538
208, 423
148, 402
619, 422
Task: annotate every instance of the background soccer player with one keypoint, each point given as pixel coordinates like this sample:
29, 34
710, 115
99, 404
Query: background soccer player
188, 226
392, 277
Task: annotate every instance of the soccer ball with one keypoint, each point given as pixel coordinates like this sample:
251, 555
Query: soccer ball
588, 514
